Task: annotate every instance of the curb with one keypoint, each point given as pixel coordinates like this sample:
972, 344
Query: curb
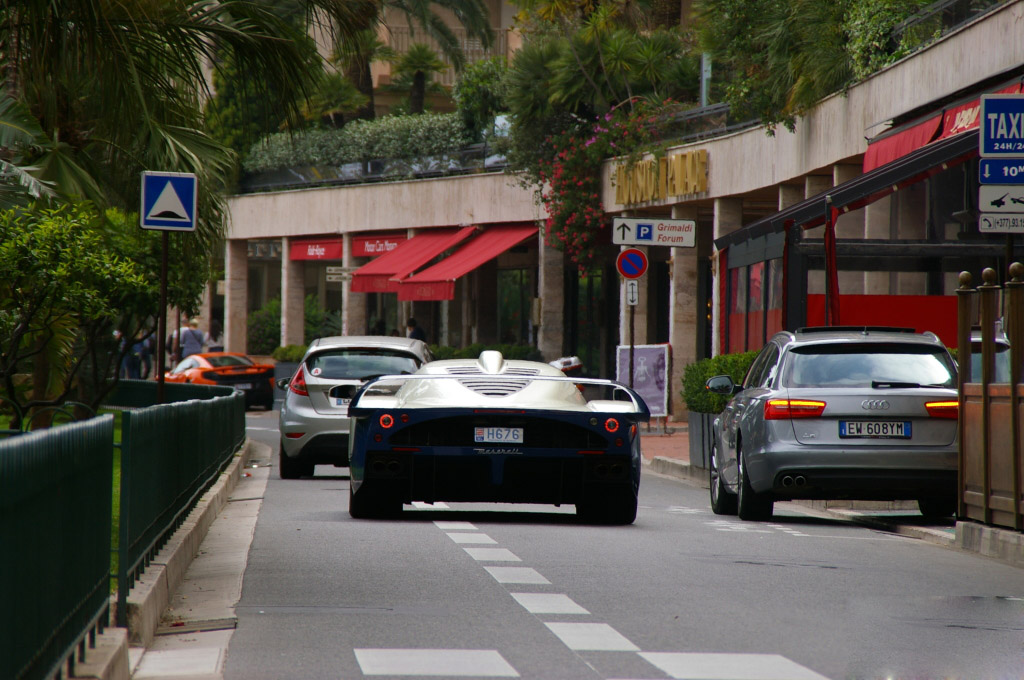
109, 660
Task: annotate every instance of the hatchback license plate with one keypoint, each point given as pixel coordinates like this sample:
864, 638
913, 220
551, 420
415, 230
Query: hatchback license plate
342, 402
498, 435
875, 429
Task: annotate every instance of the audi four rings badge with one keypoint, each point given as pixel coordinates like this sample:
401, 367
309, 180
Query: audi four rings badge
875, 405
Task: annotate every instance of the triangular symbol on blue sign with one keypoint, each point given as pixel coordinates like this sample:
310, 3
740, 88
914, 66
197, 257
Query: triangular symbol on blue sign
168, 206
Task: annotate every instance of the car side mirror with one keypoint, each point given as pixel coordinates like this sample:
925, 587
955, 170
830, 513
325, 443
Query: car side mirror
721, 384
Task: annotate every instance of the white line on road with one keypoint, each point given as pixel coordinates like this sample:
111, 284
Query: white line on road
687, 666
516, 575
471, 538
435, 662
492, 555
591, 637
548, 603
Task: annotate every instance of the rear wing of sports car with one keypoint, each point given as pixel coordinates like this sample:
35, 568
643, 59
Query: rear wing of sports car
601, 396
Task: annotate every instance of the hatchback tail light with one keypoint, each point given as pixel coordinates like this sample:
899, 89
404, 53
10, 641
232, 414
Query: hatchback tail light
298, 383
784, 409
943, 409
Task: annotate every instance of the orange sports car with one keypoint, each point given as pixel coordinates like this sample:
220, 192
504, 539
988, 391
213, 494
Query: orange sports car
228, 369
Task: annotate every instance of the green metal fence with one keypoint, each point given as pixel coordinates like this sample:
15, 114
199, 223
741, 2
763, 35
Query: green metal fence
170, 454
55, 520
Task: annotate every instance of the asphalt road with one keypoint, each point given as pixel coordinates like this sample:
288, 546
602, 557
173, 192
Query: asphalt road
474, 591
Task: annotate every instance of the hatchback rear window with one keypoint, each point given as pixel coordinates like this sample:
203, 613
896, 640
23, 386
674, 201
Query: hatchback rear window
359, 364
859, 365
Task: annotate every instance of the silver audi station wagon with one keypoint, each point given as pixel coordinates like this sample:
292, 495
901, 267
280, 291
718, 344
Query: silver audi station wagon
862, 413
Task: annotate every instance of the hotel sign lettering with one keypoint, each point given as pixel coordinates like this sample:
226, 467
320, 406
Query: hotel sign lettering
655, 179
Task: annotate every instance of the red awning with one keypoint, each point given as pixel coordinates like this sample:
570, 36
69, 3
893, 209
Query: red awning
965, 116
438, 282
899, 144
327, 248
382, 274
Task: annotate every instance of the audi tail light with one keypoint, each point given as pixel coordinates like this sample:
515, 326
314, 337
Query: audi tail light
298, 383
784, 409
943, 409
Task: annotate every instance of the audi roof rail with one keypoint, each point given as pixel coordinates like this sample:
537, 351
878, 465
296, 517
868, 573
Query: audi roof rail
855, 329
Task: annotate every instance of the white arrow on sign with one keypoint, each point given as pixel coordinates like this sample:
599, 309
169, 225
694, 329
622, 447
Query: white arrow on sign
632, 292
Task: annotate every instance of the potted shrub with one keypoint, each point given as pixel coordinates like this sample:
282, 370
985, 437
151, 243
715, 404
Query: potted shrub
703, 405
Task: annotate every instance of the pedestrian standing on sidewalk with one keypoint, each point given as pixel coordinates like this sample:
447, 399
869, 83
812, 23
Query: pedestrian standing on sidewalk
191, 339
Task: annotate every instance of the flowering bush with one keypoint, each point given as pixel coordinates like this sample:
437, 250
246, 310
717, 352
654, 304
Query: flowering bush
570, 175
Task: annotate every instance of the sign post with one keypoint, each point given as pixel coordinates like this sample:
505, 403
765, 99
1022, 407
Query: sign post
632, 264
1001, 169
168, 203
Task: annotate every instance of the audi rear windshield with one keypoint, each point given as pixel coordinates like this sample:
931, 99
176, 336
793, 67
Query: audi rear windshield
359, 364
869, 365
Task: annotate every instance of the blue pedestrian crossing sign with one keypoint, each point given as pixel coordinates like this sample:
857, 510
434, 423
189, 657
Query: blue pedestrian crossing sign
168, 201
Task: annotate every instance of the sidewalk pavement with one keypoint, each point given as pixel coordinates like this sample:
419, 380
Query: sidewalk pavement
198, 620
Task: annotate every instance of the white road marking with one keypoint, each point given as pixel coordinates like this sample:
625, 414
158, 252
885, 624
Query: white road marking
192, 661
455, 526
689, 666
738, 527
471, 538
591, 637
683, 510
548, 603
420, 505
516, 575
492, 555
486, 663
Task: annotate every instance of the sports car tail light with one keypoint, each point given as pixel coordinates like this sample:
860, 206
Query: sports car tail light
386, 420
943, 409
611, 425
782, 409
298, 383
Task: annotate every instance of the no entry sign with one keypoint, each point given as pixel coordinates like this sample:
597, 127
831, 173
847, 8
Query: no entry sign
631, 263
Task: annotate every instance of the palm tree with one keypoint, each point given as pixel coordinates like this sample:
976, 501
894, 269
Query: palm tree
95, 92
415, 66
473, 15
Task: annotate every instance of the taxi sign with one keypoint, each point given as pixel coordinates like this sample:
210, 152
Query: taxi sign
1002, 126
631, 263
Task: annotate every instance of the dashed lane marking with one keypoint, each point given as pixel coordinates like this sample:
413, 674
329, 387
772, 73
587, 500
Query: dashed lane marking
517, 575
690, 666
486, 663
455, 526
548, 603
472, 538
598, 637
492, 555
420, 505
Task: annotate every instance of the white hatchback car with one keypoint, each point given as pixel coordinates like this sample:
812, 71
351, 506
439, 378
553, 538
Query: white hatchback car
314, 420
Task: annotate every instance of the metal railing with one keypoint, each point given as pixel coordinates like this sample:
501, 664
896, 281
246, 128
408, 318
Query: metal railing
55, 526
170, 454
990, 412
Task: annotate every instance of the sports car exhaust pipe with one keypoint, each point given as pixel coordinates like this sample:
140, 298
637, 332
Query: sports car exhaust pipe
799, 480
787, 481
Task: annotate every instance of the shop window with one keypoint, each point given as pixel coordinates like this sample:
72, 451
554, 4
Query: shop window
755, 306
737, 309
773, 312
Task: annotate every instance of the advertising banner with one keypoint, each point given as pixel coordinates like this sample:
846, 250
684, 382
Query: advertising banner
650, 374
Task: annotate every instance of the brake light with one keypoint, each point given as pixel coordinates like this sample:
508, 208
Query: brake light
611, 425
298, 383
943, 409
387, 420
782, 409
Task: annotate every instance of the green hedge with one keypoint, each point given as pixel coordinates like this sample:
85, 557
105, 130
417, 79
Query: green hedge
695, 375
525, 352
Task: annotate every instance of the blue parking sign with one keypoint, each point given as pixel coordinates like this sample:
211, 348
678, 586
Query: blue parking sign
644, 232
168, 201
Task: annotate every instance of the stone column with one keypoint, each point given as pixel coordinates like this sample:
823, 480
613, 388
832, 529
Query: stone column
684, 313
814, 185
551, 290
876, 226
293, 285
236, 295
849, 225
728, 218
790, 194
353, 305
